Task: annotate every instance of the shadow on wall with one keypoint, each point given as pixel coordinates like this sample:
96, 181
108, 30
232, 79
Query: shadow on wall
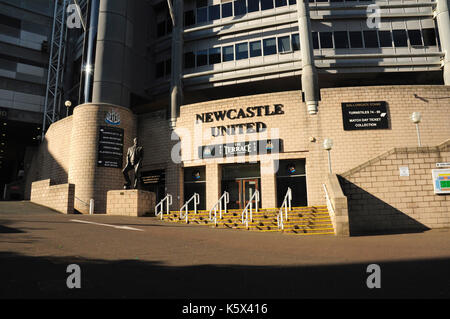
368, 214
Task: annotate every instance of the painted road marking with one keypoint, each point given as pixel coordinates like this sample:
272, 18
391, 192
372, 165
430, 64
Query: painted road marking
107, 225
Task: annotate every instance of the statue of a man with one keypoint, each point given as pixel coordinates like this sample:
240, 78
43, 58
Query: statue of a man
134, 158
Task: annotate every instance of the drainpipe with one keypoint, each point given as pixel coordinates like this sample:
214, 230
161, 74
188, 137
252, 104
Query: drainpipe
176, 89
443, 21
310, 85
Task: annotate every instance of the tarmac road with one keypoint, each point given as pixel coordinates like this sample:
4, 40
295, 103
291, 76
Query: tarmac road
147, 258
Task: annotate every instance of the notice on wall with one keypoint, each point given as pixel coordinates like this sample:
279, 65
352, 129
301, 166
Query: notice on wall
441, 181
110, 147
365, 116
241, 148
404, 171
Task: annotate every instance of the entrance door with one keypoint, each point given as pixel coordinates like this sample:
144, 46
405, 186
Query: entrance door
247, 188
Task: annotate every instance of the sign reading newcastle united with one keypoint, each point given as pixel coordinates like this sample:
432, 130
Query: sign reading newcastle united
110, 147
365, 116
241, 148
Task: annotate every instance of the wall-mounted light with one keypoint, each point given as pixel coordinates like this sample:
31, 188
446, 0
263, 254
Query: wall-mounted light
416, 117
327, 145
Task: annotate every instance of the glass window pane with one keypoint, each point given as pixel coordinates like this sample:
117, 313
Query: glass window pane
168, 66
227, 10
315, 40
284, 44
214, 12
202, 57
370, 39
266, 4
240, 7
253, 5
400, 39
429, 37
280, 3
269, 46
214, 56
293, 2
201, 3
326, 40
355, 39
255, 49
415, 37
189, 18
341, 40
242, 51
295, 42
202, 15
227, 53
189, 60
159, 70
161, 29
385, 39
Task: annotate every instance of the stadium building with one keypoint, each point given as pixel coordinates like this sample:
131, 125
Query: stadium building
255, 97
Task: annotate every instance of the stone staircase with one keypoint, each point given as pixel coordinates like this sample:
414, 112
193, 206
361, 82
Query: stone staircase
314, 220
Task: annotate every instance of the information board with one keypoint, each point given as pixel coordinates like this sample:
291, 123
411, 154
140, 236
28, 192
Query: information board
365, 116
441, 181
110, 147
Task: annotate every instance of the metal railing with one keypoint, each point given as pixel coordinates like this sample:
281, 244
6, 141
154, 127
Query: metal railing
159, 209
329, 203
225, 198
185, 215
287, 207
249, 208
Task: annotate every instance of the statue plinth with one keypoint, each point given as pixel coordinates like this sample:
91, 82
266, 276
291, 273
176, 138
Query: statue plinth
130, 202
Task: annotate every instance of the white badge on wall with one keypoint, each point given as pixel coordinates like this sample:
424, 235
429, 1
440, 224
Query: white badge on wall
404, 171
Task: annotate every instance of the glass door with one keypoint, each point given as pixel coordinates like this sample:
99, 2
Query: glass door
248, 188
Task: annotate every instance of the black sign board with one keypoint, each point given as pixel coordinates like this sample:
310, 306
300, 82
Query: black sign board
3, 113
110, 147
365, 116
241, 148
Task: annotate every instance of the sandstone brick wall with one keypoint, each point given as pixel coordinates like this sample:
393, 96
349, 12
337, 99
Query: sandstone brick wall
58, 197
130, 203
381, 200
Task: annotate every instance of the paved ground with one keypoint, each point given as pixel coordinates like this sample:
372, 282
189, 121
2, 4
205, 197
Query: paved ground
165, 260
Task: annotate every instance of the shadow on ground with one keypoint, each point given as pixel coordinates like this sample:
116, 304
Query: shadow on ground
45, 277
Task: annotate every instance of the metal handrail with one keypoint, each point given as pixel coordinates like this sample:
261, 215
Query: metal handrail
327, 197
168, 200
249, 206
226, 199
196, 199
287, 207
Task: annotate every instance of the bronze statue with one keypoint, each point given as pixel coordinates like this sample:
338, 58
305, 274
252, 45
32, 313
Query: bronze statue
134, 158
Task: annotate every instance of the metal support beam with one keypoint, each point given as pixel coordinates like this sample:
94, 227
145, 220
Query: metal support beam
443, 21
176, 85
310, 85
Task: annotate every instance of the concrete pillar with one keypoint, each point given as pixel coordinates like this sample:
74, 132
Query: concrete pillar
176, 88
443, 21
213, 184
310, 86
268, 187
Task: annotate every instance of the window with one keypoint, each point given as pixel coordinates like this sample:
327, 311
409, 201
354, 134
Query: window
159, 69
168, 67
189, 60
355, 39
415, 37
202, 58
161, 29
295, 42
291, 2
280, 3
400, 39
227, 53
370, 39
284, 44
341, 40
214, 56
266, 4
239, 7
326, 40
315, 40
214, 12
429, 37
253, 5
385, 39
255, 49
201, 3
227, 9
269, 46
169, 24
242, 51
202, 15
189, 18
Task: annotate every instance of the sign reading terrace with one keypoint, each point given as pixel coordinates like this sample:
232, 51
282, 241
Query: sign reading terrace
241, 148
365, 116
110, 147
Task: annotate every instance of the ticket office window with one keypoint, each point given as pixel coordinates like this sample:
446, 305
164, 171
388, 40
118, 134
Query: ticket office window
195, 182
292, 173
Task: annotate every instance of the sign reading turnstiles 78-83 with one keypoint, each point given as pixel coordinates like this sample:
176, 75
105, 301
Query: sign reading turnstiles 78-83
365, 116
441, 181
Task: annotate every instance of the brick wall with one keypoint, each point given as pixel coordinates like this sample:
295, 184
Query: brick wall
380, 200
130, 202
58, 197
